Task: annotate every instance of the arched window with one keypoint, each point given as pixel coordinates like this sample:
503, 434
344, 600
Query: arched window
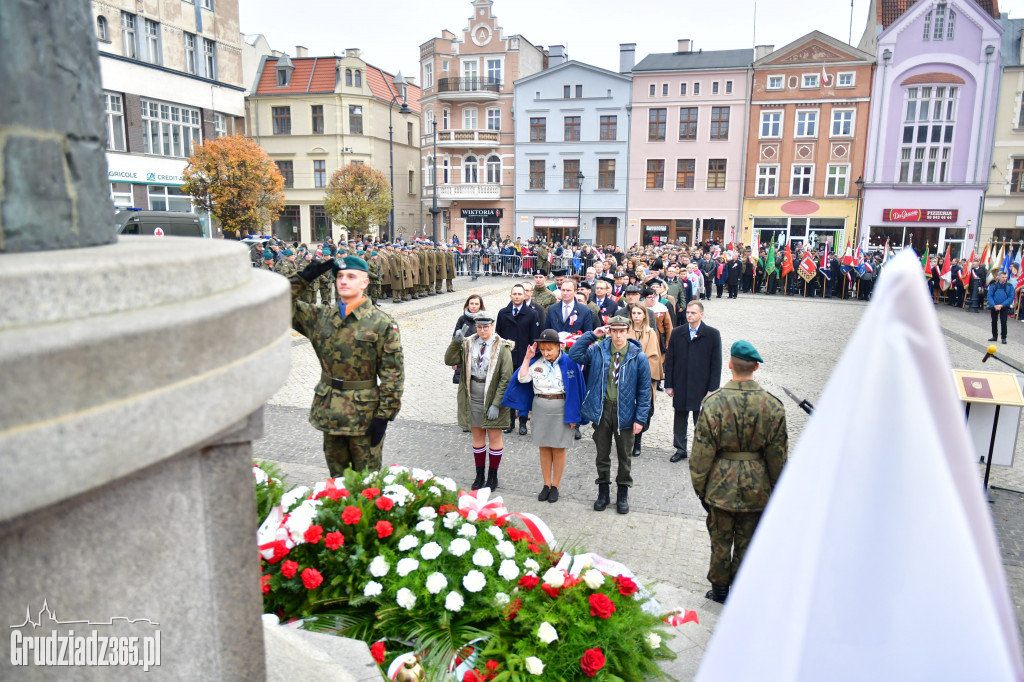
348, 77
359, 78
494, 170
470, 171
101, 28
430, 170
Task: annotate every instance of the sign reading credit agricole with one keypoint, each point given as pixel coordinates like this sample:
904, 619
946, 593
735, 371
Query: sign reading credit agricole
919, 215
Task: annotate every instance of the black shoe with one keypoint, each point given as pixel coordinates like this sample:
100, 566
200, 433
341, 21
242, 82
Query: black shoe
510, 428
622, 500
492, 479
576, 434
1004, 340
553, 495
678, 457
522, 428
660, 388
545, 492
478, 482
993, 339
636, 445
717, 593
602, 497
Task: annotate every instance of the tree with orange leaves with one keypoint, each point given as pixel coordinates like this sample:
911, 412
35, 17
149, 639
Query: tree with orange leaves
235, 180
358, 197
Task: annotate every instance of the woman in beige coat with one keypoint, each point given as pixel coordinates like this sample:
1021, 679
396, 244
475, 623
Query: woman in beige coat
640, 329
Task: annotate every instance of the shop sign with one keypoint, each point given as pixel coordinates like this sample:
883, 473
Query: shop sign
144, 170
481, 212
920, 215
656, 228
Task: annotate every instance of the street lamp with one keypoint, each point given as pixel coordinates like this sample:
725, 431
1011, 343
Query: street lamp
860, 200
434, 210
579, 208
399, 81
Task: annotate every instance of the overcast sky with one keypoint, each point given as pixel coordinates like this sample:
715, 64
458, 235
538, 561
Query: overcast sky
389, 32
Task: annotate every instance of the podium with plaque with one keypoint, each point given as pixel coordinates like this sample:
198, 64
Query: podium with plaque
994, 401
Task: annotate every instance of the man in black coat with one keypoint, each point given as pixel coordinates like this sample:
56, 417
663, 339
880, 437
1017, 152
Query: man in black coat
693, 368
518, 322
733, 271
602, 298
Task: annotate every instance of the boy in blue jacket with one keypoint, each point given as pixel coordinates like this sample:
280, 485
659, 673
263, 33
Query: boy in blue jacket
1000, 302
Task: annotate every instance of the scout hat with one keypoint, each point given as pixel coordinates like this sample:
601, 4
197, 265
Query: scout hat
548, 336
483, 317
351, 263
744, 350
619, 321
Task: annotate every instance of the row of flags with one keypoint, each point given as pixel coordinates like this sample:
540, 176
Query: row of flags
992, 261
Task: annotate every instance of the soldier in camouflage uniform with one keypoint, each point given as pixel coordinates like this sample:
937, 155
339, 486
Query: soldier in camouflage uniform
740, 446
286, 266
542, 296
325, 282
356, 344
268, 260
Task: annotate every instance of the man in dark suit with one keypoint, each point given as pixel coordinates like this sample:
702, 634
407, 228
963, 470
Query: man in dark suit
568, 315
518, 322
693, 369
734, 270
602, 298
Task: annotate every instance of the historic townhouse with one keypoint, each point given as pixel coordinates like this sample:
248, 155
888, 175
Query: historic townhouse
467, 92
1003, 219
314, 115
932, 116
572, 153
687, 137
172, 78
808, 122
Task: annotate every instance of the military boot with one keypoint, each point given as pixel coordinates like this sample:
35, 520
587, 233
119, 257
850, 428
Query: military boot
602, 497
717, 593
622, 500
492, 479
636, 444
478, 482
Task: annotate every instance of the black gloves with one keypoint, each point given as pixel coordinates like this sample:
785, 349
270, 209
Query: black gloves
315, 269
377, 429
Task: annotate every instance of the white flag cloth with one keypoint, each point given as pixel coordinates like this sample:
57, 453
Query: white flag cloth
876, 558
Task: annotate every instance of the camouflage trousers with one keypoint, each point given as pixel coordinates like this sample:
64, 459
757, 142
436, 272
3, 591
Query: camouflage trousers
730, 536
342, 452
374, 292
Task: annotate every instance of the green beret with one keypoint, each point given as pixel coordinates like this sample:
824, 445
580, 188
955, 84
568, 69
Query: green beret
268, 254
744, 350
618, 321
351, 263
373, 253
288, 252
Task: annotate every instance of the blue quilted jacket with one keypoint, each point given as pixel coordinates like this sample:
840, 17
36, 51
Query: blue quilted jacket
634, 380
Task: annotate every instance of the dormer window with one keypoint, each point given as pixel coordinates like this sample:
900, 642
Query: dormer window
282, 77
348, 77
284, 71
359, 78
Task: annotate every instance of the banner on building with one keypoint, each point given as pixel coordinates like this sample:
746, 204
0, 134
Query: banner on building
920, 215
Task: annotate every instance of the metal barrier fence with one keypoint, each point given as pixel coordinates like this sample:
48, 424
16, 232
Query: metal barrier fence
490, 265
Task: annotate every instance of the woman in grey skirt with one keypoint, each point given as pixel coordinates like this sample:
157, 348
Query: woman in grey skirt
553, 386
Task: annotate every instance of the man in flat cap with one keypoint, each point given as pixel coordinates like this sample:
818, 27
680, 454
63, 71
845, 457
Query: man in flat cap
739, 449
361, 363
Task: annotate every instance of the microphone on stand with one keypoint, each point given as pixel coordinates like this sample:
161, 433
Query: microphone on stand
989, 352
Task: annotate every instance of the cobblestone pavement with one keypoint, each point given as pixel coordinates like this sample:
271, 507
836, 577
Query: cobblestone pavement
663, 536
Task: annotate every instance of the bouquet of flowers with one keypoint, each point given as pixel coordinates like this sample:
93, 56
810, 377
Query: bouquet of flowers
567, 339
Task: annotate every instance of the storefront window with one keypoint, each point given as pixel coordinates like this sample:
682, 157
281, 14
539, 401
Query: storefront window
168, 198
321, 225
483, 227
288, 223
121, 195
829, 231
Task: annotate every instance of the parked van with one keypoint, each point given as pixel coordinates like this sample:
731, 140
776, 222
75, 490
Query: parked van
159, 223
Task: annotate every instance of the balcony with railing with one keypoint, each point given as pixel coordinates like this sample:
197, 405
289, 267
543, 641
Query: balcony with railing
464, 192
465, 139
468, 89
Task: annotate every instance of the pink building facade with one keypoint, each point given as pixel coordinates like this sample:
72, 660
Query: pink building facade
687, 145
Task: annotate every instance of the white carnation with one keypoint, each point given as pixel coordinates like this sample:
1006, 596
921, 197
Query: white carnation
474, 581
300, 519
425, 527
434, 490
534, 665
293, 496
654, 640
398, 469
408, 542
546, 633
508, 570
501, 599
506, 549
436, 582
430, 551
427, 513
459, 546
379, 567
405, 598
372, 589
483, 558
447, 483
389, 479
260, 474
495, 533
468, 530
531, 565
593, 578
398, 493
406, 566
554, 577
452, 519
420, 474
454, 601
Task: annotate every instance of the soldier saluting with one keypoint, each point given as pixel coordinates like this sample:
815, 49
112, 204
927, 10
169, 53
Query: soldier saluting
356, 344
739, 449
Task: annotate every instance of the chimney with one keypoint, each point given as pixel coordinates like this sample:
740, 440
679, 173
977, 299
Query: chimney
684, 44
556, 55
762, 51
352, 52
301, 51
627, 57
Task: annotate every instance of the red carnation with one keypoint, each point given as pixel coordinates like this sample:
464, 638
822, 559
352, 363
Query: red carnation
311, 578
601, 606
513, 609
570, 581
313, 534
472, 676
529, 582
385, 503
445, 508
492, 669
626, 585
280, 548
370, 493
533, 548
334, 540
265, 584
384, 529
378, 651
288, 569
333, 493
550, 591
500, 521
351, 515
592, 661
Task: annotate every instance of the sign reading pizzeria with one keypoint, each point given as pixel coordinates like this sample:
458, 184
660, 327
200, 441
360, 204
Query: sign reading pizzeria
481, 212
920, 215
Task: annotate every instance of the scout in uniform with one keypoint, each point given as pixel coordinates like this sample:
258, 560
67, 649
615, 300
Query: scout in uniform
542, 296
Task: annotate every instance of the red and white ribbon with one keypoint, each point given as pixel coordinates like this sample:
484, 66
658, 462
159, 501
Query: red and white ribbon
537, 528
476, 504
679, 616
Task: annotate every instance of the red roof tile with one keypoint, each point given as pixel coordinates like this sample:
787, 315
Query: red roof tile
383, 87
891, 10
312, 74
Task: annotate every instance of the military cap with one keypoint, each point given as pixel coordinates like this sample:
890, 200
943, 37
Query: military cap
655, 280
483, 317
268, 254
607, 280
618, 321
647, 291
632, 289
583, 285
744, 350
540, 271
558, 272
351, 263
288, 252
